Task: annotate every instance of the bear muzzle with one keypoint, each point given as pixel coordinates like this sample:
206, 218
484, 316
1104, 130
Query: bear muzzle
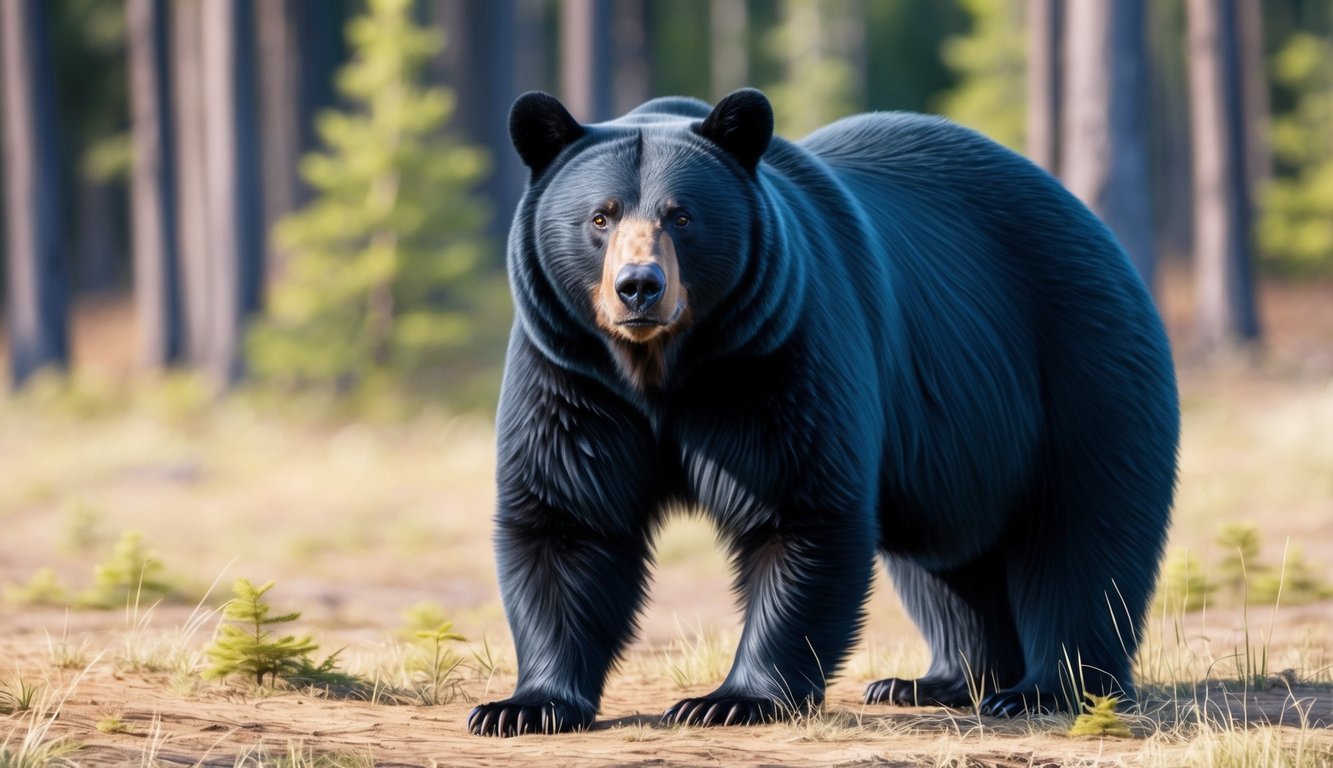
640, 295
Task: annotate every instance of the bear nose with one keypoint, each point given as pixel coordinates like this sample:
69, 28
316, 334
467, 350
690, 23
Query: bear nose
640, 285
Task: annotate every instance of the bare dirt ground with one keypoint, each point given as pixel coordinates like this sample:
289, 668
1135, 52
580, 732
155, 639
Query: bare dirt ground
357, 522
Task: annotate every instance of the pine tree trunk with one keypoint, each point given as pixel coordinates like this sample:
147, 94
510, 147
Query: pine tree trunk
234, 194
478, 64
153, 210
1104, 147
1045, 66
1224, 285
280, 113
631, 83
585, 58
192, 189
37, 304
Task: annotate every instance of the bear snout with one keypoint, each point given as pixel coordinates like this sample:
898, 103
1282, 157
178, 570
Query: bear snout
640, 286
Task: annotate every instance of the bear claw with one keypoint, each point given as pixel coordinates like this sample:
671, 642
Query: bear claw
922, 692
511, 718
721, 710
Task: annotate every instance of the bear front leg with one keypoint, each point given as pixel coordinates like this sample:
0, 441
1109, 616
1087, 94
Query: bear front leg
571, 594
579, 487
804, 585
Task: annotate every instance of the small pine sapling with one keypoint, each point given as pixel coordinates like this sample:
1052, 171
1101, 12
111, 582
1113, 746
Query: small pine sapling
244, 646
44, 588
438, 687
1295, 583
133, 574
1100, 719
1240, 557
1184, 587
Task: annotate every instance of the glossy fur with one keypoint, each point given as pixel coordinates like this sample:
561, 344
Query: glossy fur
901, 339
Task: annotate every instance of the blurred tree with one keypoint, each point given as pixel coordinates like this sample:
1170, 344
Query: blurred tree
88, 40
1295, 228
191, 174
35, 278
904, 69
1169, 141
299, 50
728, 66
235, 260
991, 63
631, 78
1228, 318
585, 59
382, 278
153, 205
1045, 82
679, 44
1104, 136
478, 63
821, 42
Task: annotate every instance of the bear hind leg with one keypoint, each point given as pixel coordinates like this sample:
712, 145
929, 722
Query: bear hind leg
1079, 595
964, 615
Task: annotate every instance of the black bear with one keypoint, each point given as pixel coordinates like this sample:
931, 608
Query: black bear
893, 336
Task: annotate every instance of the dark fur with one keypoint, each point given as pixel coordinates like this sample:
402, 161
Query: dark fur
905, 339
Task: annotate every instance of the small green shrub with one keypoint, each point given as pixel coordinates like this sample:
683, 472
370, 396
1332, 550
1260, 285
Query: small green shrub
1240, 556
434, 666
1184, 587
1100, 719
44, 588
18, 696
243, 645
1295, 583
132, 575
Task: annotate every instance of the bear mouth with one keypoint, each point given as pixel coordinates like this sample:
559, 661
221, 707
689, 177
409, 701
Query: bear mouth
642, 322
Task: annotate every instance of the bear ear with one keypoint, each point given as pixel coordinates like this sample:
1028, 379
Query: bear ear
742, 124
540, 126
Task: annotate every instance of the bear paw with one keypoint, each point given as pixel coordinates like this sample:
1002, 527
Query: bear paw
1020, 701
512, 717
922, 692
721, 710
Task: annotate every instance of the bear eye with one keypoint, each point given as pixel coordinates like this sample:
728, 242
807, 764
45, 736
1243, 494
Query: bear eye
599, 220
682, 221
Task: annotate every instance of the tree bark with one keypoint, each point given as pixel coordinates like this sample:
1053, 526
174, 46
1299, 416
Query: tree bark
161, 333
234, 194
36, 280
192, 188
1104, 147
280, 111
1045, 66
478, 64
1224, 284
632, 82
585, 58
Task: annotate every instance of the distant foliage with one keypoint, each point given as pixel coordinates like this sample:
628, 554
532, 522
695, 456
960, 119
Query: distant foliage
131, 575
382, 277
1245, 578
1240, 555
818, 82
991, 63
1184, 587
1295, 227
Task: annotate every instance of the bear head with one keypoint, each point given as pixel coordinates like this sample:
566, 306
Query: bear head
640, 227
